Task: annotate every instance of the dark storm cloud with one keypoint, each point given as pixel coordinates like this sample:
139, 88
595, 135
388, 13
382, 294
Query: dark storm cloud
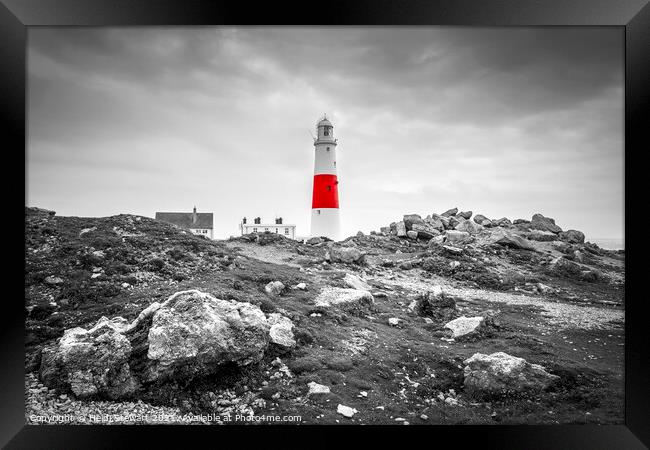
510, 120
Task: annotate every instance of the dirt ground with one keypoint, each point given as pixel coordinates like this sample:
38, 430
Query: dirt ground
411, 373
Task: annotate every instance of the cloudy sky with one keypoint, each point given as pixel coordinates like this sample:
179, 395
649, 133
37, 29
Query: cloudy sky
503, 122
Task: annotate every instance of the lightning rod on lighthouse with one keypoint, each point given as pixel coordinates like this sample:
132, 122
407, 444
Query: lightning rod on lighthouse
325, 219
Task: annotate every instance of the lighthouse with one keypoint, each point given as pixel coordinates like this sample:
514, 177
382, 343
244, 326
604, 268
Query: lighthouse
325, 198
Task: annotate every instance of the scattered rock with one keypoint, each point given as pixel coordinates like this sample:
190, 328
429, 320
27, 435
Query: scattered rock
464, 325
274, 288
450, 212
356, 282
453, 250
346, 411
425, 231
436, 304
542, 236
502, 222
511, 240
281, 331
315, 240
315, 388
465, 215
412, 234
540, 222
500, 373
457, 237
53, 280
469, 226
347, 255
572, 236
400, 229
411, 219
300, 286
393, 321
479, 218
332, 296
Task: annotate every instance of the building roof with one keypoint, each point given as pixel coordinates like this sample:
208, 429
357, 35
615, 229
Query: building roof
324, 121
184, 219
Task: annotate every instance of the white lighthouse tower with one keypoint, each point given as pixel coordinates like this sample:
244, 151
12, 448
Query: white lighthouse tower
325, 219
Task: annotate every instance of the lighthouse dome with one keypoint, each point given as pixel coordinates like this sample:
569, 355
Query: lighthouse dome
324, 122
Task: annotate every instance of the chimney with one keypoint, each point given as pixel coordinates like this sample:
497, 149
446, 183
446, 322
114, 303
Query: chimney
278, 221
258, 220
243, 220
194, 215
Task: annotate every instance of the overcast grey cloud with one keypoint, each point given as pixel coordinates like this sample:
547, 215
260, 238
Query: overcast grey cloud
502, 121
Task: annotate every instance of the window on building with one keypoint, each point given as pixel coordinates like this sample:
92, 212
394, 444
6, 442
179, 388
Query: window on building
254, 230
286, 231
276, 230
326, 132
266, 229
318, 211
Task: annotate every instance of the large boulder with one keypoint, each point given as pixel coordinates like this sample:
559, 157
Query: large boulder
191, 334
512, 240
93, 362
315, 240
347, 255
458, 237
540, 222
572, 236
412, 234
450, 212
411, 219
469, 227
425, 231
465, 214
500, 373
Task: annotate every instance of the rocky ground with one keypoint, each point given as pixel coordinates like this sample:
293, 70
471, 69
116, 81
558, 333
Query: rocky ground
450, 318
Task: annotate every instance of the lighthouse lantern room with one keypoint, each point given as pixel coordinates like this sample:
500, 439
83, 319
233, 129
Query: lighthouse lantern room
325, 219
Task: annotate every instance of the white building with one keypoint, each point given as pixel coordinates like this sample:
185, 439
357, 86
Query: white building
196, 223
287, 230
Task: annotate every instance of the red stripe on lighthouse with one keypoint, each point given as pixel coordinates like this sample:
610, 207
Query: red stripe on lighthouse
326, 192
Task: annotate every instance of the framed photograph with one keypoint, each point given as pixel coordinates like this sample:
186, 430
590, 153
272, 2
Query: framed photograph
392, 214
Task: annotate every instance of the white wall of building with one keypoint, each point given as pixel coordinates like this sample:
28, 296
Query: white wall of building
202, 232
286, 230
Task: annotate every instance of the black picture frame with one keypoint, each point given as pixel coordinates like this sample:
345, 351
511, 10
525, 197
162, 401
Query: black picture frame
16, 16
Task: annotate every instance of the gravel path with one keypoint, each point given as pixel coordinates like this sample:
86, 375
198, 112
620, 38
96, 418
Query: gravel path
269, 253
562, 314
